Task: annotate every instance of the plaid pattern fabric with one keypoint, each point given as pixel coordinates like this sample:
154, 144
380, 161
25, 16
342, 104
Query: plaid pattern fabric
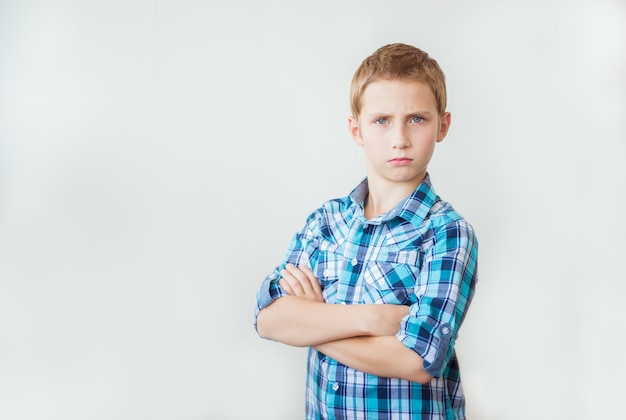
421, 253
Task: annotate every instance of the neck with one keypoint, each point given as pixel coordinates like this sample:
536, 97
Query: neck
383, 196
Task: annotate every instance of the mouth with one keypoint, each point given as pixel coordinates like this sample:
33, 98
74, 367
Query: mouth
400, 161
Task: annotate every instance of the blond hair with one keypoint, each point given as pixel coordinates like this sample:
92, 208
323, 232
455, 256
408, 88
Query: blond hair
398, 62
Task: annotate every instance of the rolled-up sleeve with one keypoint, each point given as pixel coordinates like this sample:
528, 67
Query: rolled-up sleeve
302, 248
444, 289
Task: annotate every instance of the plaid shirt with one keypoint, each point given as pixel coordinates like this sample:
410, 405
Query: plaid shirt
421, 253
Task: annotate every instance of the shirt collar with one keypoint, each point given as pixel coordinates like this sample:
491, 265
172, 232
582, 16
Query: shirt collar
414, 208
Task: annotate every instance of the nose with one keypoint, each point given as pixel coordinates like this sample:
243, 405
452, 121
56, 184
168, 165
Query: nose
401, 138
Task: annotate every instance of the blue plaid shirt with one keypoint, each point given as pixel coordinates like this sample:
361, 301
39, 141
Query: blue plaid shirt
422, 253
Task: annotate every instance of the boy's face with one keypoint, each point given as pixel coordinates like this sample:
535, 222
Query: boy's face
398, 128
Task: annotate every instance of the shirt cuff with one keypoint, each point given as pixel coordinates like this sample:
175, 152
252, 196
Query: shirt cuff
264, 296
434, 350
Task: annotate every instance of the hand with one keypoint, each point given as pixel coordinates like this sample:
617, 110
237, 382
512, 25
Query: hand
388, 318
301, 282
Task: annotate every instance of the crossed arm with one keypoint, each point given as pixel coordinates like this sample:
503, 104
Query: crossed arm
359, 336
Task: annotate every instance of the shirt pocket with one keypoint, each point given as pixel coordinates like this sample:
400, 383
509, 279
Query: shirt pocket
389, 283
393, 279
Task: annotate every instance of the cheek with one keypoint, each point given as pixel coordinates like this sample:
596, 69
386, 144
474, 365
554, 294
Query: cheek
429, 138
373, 152
427, 147
373, 138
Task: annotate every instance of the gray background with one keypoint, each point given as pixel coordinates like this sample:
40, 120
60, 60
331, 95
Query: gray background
156, 157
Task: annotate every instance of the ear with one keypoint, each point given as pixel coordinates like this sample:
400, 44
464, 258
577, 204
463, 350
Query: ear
444, 126
355, 131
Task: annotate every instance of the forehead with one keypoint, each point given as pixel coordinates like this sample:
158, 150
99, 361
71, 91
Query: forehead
390, 95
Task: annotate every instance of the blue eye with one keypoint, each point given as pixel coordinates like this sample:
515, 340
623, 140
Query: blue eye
381, 121
417, 119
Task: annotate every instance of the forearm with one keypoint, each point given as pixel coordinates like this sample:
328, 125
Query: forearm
301, 322
383, 356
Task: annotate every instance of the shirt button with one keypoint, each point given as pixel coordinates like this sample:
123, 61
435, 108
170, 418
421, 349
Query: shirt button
326, 273
355, 261
365, 226
335, 386
273, 276
445, 330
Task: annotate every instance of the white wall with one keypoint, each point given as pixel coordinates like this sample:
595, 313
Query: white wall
156, 156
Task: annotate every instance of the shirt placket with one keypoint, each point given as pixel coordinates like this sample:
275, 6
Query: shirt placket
354, 256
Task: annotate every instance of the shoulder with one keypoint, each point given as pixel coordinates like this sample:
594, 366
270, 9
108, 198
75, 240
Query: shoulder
444, 218
331, 214
335, 215
332, 206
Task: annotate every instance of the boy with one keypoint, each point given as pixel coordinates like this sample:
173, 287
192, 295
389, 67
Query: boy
377, 283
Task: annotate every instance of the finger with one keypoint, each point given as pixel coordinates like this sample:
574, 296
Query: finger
298, 275
293, 282
284, 284
315, 284
308, 281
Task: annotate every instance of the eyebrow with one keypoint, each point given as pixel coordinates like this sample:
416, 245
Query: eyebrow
385, 114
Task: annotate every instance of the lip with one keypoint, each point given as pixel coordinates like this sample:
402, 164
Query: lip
400, 161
